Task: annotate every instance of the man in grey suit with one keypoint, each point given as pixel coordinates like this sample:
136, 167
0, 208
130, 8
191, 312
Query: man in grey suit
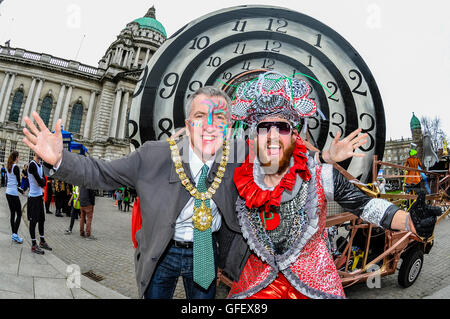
166, 241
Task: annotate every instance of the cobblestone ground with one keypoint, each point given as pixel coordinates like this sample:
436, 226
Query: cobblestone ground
112, 255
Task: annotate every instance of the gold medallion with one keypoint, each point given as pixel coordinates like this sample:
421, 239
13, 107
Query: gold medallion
202, 218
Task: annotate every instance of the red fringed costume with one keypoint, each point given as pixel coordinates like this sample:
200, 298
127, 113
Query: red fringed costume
303, 268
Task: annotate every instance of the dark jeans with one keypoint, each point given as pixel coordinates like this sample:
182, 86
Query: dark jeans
48, 202
174, 263
126, 207
74, 215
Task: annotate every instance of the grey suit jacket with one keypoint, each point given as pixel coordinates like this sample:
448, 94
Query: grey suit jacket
151, 172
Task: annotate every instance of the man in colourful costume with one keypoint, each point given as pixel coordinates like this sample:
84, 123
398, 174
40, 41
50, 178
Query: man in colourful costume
414, 178
283, 196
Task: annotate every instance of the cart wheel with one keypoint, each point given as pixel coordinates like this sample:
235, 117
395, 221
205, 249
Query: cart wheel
411, 267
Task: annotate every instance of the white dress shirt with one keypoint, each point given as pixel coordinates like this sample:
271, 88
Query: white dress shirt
184, 228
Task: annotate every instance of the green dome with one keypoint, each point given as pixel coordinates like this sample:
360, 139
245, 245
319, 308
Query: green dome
151, 23
415, 123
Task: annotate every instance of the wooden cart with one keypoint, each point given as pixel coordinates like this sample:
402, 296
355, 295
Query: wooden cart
367, 250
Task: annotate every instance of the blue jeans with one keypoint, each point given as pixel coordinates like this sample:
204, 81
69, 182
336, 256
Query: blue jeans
174, 263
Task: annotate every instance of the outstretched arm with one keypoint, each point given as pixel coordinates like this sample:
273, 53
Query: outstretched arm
75, 169
341, 150
374, 210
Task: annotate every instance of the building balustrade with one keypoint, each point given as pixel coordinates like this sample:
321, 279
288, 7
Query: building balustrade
48, 59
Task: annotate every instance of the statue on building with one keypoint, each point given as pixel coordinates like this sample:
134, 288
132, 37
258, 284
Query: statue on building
429, 156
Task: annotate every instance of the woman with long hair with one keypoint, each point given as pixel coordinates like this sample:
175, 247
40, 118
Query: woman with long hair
12, 194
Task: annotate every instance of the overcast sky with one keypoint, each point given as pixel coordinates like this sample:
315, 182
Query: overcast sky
406, 44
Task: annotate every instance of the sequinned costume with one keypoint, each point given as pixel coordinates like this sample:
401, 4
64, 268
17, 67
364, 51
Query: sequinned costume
284, 226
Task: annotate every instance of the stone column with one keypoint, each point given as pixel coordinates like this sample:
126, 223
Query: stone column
59, 103
123, 116
116, 56
130, 59
108, 59
115, 113
36, 97
136, 59
87, 124
122, 59
119, 57
65, 110
3, 89
26, 109
127, 57
6, 100
147, 55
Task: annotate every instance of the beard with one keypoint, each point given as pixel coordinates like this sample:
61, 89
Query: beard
273, 166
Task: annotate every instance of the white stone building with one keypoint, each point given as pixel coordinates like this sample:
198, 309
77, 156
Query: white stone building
93, 102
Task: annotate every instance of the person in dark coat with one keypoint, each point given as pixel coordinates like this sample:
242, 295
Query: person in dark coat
48, 194
60, 197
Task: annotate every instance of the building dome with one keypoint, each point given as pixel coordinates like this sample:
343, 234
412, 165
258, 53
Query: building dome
415, 123
135, 45
149, 21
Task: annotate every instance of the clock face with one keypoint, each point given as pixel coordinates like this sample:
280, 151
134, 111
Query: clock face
225, 47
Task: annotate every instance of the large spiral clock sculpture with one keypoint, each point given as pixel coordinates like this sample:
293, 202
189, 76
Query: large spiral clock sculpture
235, 43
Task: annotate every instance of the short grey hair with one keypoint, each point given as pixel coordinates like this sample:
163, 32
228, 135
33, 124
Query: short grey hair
209, 91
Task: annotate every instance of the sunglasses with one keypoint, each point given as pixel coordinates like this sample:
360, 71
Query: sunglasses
283, 128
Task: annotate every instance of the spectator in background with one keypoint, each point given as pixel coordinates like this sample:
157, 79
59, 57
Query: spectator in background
67, 195
126, 200
12, 195
24, 184
3, 179
35, 205
133, 194
87, 202
414, 178
119, 198
48, 194
75, 208
60, 194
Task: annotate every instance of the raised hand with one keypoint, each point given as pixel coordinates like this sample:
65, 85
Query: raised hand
47, 145
340, 150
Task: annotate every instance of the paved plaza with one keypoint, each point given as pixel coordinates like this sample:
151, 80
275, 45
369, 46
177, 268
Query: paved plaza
24, 275
109, 261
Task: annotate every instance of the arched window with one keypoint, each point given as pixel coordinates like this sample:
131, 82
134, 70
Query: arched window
16, 106
46, 109
75, 118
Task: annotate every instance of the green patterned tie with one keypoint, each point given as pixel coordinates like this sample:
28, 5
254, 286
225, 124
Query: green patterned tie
204, 271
